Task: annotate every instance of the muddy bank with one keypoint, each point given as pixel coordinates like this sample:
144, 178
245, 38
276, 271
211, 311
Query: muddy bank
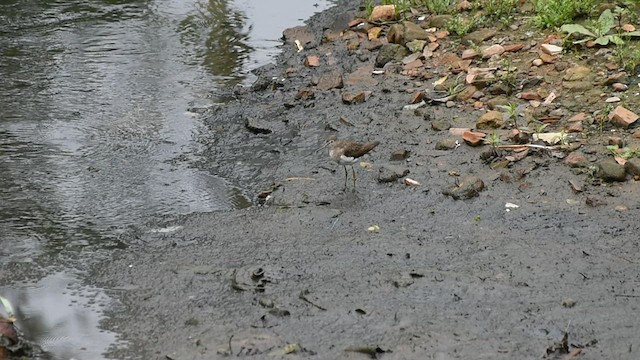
397, 271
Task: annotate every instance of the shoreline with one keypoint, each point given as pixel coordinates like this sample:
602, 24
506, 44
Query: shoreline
391, 271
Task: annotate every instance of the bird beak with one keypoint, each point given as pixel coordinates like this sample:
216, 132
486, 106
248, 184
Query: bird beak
320, 148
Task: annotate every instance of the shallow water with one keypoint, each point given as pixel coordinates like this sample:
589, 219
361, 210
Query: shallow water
98, 113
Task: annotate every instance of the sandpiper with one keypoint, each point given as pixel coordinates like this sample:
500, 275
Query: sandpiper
346, 152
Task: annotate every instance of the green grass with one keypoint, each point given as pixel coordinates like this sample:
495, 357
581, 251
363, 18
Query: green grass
554, 13
460, 26
501, 10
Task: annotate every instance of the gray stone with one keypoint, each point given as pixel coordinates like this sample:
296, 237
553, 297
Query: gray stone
440, 21
413, 31
390, 52
633, 166
440, 125
466, 188
399, 155
610, 170
257, 126
477, 37
388, 174
493, 103
446, 144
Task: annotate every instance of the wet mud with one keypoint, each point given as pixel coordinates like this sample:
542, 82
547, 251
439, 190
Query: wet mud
389, 271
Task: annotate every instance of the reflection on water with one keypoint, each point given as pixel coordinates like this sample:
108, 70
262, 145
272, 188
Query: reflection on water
95, 136
60, 315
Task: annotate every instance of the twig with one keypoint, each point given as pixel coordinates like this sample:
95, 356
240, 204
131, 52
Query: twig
299, 178
627, 296
304, 298
230, 349
536, 146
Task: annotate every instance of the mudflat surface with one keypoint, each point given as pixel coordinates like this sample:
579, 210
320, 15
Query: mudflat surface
389, 271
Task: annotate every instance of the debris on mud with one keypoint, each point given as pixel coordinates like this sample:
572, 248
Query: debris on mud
373, 352
466, 188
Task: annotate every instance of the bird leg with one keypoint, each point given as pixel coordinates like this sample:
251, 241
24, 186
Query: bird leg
346, 177
354, 177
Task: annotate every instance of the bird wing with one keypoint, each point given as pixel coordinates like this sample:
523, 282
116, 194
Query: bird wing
358, 150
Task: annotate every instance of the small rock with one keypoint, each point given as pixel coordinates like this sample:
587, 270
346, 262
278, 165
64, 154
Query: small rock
388, 174
374, 33
622, 117
577, 73
513, 47
616, 140
390, 52
301, 33
551, 49
529, 95
568, 303
312, 61
399, 155
417, 97
373, 45
416, 46
478, 36
620, 77
439, 21
411, 58
440, 125
576, 159
492, 50
575, 127
330, 80
619, 86
468, 54
561, 66
383, 12
621, 208
612, 99
611, 66
473, 138
406, 32
466, 188
579, 117
458, 131
493, 103
610, 170
350, 98
467, 93
413, 31
257, 126
447, 144
547, 59
490, 120
632, 166
537, 62
576, 186
305, 94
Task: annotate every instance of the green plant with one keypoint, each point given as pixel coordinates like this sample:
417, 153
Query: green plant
539, 126
436, 6
628, 57
604, 115
455, 88
493, 139
625, 153
501, 10
599, 30
401, 6
552, 13
460, 26
511, 110
368, 6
